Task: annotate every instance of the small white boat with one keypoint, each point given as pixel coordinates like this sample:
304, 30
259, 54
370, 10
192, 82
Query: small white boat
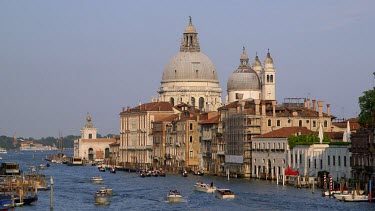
203, 187
97, 179
224, 194
3, 151
353, 198
101, 197
107, 189
42, 166
174, 196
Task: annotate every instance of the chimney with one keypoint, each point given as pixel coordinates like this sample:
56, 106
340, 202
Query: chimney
313, 105
263, 107
328, 109
305, 103
257, 102
308, 103
320, 108
274, 108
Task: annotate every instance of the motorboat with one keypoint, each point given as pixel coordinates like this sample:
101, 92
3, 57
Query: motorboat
353, 198
198, 173
3, 151
335, 191
102, 169
174, 196
42, 166
101, 197
184, 174
203, 187
97, 179
143, 174
48, 165
224, 194
107, 189
161, 174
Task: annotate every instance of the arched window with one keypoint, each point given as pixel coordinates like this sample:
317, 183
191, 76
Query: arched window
300, 123
91, 154
193, 101
269, 122
191, 139
325, 123
314, 123
171, 101
278, 123
201, 103
268, 78
271, 78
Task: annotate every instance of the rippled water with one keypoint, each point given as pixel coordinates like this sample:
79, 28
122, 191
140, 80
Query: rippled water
74, 191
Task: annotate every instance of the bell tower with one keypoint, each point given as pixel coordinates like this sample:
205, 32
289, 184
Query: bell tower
269, 79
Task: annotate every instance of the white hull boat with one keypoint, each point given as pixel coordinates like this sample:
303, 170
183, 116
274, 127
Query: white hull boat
202, 187
224, 194
101, 197
174, 196
97, 180
353, 198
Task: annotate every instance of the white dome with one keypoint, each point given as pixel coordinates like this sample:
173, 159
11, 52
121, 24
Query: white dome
190, 66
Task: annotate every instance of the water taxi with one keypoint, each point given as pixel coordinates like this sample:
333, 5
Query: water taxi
75, 161
203, 187
352, 198
97, 179
101, 197
174, 196
224, 194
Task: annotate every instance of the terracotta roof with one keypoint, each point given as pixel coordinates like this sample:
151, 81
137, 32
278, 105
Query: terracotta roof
213, 120
285, 132
230, 105
354, 125
154, 106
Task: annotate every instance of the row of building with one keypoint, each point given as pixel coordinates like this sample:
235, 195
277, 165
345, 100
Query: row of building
189, 127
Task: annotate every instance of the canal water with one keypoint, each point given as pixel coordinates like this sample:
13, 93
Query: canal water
74, 191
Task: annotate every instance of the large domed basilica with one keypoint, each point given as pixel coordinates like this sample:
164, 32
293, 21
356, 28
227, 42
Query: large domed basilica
190, 76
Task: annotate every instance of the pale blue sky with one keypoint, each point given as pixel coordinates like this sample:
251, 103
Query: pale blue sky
62, 59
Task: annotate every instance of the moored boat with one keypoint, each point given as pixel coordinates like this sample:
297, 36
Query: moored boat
112, 169
97, 179
184, 174
224, 194
353, 198
174, 196
203, 187
3, 151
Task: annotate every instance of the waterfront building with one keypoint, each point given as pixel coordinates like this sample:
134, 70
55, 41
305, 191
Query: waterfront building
89, 147
243, 119
270, 151
363, 153
208, 145
190, 76
136, 140
252, 82
309, 160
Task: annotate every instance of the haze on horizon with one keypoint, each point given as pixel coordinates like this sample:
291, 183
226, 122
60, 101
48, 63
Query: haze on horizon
62, 59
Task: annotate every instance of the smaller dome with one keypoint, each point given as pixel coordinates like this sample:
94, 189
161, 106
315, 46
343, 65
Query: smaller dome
268, 59
244, 55
190, 28
257, 62
243, 79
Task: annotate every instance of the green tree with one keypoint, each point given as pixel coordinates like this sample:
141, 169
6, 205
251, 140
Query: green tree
367, 105
308, 139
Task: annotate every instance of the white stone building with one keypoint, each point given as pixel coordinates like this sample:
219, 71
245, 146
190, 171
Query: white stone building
190, 76
89, 147
309, 160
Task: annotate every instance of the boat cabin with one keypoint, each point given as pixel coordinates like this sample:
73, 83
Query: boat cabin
10, 168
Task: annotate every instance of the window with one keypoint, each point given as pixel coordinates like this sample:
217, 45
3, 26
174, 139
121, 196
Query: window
255, 160
325, 123
291, 158
334, 161
309, 163
193, 101
300, 158
314, 123
191, 126
268, 78
339, 161
269, 122
315, 163
201, 103
321, 163
295, 156
329, 160
255, 146
271, 78
191, 139
171, 101
90, 136
344, 160
191, 154
278, 123
300, 123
